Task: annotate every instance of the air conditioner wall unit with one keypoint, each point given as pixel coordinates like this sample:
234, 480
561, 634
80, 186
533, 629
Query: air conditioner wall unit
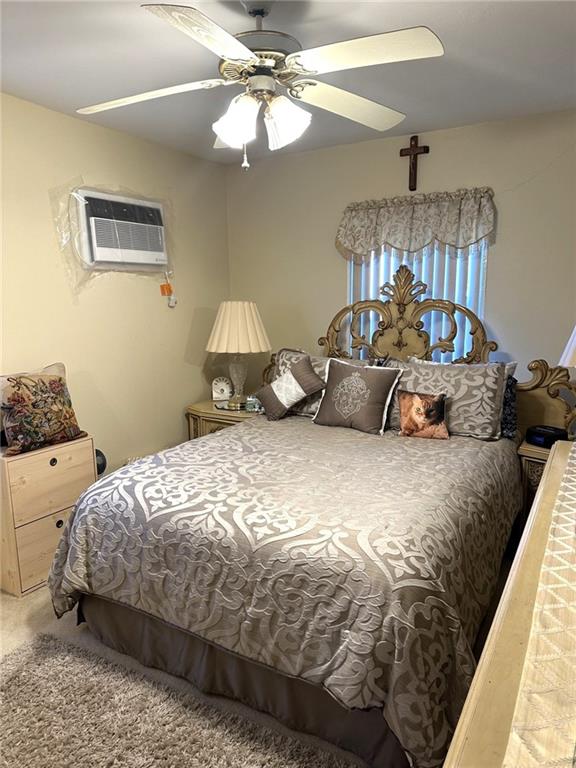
118, 232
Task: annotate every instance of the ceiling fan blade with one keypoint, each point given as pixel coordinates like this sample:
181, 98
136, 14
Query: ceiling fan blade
206, 32
403, 45
148, 95
346, 104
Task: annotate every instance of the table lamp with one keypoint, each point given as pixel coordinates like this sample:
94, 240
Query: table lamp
238, 330
568, 359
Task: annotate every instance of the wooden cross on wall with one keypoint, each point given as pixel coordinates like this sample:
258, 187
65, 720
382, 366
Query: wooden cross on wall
412, 152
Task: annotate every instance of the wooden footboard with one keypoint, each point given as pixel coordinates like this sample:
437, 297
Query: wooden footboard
483, 731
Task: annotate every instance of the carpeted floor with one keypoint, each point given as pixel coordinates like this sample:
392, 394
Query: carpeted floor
65, 706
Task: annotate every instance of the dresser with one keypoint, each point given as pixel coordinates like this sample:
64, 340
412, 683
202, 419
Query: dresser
39, 490
489, 719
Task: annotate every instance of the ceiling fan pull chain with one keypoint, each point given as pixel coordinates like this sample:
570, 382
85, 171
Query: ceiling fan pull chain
245, 163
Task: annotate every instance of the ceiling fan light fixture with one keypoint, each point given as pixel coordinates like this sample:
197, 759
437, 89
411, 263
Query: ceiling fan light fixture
237, 126
285, 122
260, 60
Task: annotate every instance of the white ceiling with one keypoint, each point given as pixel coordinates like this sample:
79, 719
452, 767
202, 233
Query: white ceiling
503, 59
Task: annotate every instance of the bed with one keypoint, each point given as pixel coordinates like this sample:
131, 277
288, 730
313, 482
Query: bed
332, 578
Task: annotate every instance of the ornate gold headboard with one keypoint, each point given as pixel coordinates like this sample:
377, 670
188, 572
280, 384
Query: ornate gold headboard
548, 398
400, 331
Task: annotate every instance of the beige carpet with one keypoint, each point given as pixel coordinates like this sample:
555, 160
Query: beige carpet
62, 706
21, 620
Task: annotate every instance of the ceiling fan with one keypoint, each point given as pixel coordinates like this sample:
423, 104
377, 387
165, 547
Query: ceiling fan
265, 62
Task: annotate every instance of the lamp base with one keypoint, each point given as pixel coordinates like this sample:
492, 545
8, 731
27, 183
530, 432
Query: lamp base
237, 403
238, 374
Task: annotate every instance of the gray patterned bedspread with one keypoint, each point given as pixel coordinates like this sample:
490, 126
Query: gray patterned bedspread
360, 563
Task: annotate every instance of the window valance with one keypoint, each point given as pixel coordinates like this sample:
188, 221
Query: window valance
410, 223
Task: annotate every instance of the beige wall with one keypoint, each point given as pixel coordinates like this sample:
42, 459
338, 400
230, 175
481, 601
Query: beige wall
283, 215
132, 362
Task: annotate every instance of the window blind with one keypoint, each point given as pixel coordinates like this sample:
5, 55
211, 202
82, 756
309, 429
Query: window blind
454, 274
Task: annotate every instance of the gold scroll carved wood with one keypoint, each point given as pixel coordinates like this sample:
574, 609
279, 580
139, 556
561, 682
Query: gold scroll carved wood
400, 332
548, 398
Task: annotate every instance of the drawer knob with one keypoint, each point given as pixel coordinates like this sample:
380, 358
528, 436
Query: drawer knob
53, 462
59, 523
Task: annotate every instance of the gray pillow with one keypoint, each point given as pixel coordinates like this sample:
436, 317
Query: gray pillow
288, 389
474, 394
357, 397
285, 359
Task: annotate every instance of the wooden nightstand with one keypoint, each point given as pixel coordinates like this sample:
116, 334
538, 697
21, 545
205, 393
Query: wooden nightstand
533, 459
39, 490
204, 418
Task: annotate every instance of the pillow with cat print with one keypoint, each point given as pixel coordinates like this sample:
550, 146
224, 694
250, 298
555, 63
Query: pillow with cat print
474, 394
422, 415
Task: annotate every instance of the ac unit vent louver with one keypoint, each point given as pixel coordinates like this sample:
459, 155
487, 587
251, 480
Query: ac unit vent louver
120, 231
127, 235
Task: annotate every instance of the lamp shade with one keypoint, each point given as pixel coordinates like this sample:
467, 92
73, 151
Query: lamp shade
285, 122
238, 329
238, 126
568, 359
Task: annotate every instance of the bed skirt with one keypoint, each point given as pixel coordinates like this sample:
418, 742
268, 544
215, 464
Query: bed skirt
296, 703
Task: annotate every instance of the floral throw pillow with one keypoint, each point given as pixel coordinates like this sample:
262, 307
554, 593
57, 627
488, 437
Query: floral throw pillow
37, 411
54, 369
422, 415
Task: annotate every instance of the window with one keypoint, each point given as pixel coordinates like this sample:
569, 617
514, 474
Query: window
458, 275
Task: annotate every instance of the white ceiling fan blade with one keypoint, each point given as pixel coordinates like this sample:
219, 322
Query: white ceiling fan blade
346, 104
403, 45
206, 32
148, 95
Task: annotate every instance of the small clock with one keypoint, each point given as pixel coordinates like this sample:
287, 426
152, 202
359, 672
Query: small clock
221, 388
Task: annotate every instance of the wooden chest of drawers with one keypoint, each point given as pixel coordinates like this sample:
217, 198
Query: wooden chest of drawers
39, 490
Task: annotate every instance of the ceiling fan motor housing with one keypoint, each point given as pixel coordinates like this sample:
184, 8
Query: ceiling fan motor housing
261, 41
271, 47
262, 86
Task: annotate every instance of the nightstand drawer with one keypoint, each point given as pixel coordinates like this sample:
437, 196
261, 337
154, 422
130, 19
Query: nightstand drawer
49, 480
205, 418
36, 543
208, 426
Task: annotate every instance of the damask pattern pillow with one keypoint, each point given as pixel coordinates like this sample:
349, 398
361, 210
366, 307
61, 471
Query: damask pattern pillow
474, 394
422, 415
285, 358
289, 388
357, 397
37, 411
